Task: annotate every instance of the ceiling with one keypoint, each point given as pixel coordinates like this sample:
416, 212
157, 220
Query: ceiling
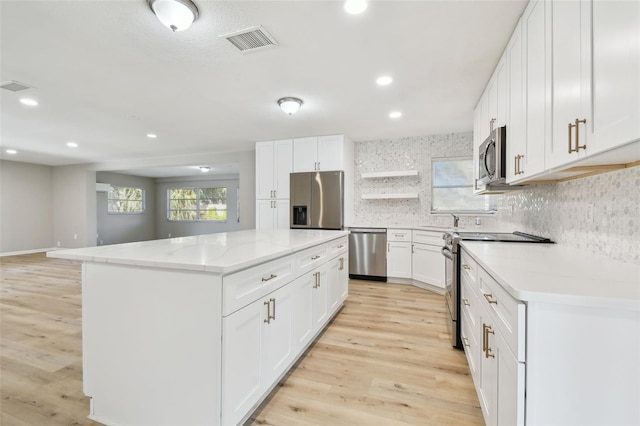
106, 73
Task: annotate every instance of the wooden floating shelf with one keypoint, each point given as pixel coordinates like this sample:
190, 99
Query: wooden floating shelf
410, 195
371, 175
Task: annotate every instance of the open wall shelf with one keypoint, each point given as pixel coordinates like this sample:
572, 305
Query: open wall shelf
406, 196
400, 173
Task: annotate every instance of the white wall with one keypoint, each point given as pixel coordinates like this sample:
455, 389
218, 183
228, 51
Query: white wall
124, 228
26, 200
166, 228
74, 206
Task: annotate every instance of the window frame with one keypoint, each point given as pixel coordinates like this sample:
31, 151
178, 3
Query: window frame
490, 202
143, 203
197, 210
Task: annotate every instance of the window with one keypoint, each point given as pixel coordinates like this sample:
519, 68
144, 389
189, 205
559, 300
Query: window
125, 200
452, 188
197, 204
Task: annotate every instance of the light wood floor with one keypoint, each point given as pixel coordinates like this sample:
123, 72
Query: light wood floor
384, 360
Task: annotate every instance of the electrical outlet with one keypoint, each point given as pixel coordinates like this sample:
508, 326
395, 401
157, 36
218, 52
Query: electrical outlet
75, 236
588, 213
58, 243
169, 235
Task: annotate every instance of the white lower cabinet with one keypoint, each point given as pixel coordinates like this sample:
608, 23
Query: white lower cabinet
258, 347
398, 259
428, 264
262, 339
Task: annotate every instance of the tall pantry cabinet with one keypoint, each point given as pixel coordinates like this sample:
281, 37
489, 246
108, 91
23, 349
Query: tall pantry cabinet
274, 163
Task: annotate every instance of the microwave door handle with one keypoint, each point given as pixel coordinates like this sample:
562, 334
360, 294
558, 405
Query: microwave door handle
486, 166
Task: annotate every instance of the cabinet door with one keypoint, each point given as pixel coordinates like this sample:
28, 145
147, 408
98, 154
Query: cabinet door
241, 359
516, 136
305, 154
569, 88
511, 385
264, 170
303, 289
428, 264
281, 214
488, 394
265, 214
283, 162
333, 297
537, 85
398, 260
616, 73
331, 152
343, 277
320, 297
277, 350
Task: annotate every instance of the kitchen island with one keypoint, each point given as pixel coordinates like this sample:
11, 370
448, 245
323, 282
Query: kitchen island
198, 330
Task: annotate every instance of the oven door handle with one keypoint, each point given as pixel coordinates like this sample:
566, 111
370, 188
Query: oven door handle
446, 253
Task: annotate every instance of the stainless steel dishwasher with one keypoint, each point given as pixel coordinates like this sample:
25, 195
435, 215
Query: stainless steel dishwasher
368, 254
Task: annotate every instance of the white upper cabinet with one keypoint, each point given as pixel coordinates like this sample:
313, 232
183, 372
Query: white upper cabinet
319, 153
274, 163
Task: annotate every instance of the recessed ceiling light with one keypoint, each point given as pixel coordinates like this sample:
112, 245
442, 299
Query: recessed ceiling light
204, 169
11, 151
355, 7
384, 80
72, 144
395, 114
152, 135
28, 102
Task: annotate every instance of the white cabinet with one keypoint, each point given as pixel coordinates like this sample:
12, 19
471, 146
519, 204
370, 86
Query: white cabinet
596, 78
337, 282
428, 264
257, 348
493, 335
272, 214
399, 253
320, 153
274, 163
303, 330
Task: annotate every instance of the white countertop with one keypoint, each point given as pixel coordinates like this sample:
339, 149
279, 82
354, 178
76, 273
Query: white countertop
558, 274
220, 253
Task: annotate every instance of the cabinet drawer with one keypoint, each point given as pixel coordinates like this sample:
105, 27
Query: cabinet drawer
399, 235
469, 269
507, 313
433, 238
338, 246
311, 258
469, 336
244, 287
469, 304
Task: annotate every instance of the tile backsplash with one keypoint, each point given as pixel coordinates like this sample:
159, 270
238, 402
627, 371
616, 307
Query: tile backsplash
598, 214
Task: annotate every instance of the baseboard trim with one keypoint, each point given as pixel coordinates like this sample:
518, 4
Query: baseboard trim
18, 253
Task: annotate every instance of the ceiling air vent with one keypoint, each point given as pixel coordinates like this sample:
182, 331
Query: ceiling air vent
251, 39
14, 86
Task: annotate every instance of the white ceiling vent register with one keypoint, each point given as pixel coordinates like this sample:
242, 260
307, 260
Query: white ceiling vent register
251, 39
14, 86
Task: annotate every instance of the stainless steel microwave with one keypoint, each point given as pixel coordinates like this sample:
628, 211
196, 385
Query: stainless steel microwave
492, 158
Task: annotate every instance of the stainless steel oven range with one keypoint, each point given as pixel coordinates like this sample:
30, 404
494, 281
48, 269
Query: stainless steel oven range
451, 252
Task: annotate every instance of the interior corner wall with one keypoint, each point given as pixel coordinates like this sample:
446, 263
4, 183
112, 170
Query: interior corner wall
74, 206
247, 169
26, 199
126, 228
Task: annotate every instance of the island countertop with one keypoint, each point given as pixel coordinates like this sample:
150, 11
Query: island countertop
221, 253
554, 273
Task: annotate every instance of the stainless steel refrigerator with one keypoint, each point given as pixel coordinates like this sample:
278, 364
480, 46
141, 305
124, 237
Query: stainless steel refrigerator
317, 200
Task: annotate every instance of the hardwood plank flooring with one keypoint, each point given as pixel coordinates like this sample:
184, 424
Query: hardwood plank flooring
384, 360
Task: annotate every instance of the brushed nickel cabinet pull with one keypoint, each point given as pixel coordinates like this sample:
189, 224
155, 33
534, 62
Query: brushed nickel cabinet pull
465, 341
484, 338
272, 276
487, 352
316, 257
465, 266
578, 146
569, 139
268, 320
316, 284
491, 123
274, 308
412, 247
465, 302
341, 264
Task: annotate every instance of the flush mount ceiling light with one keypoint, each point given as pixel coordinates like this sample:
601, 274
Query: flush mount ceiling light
395, 114
28, 102
11, 151
384, 80
204, 169
152, 135
72, 144
177, 15
290, 105
355, 7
